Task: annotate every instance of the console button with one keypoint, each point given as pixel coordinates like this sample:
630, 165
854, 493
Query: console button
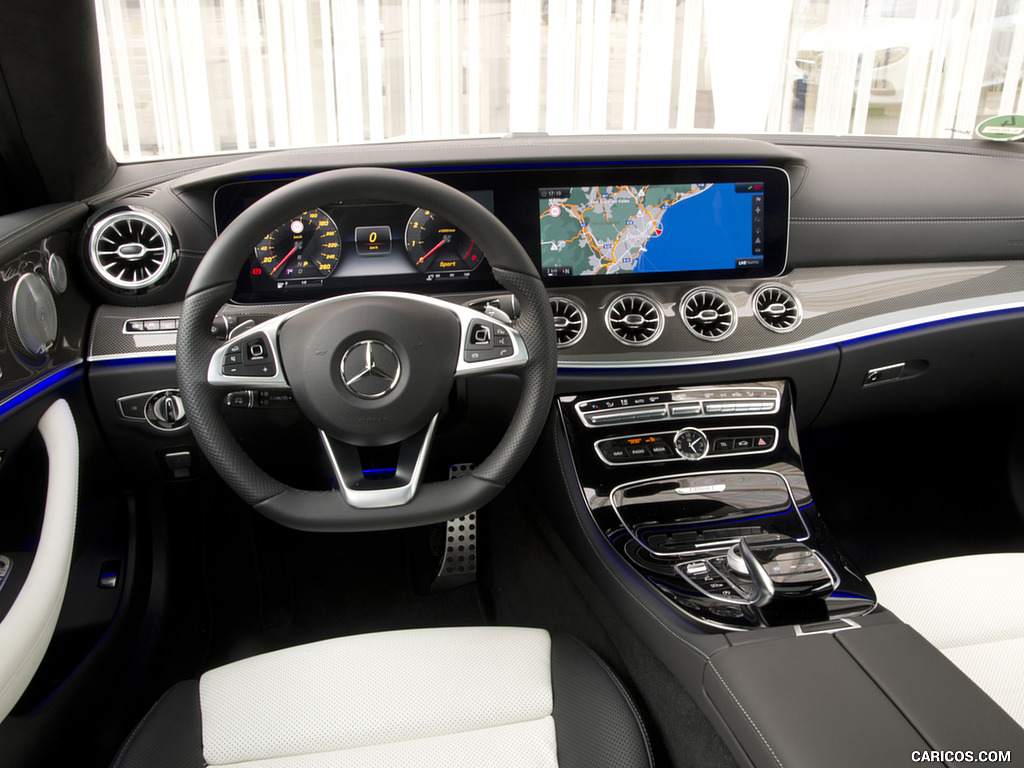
743, 443
613, 452
721, 445
660, 450
685, 409
638, 452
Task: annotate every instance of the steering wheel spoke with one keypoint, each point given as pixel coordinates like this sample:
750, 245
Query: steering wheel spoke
373, 487
488, 344
251, 359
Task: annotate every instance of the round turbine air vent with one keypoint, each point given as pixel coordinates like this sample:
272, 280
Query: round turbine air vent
634, 319
777, 308
131, 250
708, 314
570, 321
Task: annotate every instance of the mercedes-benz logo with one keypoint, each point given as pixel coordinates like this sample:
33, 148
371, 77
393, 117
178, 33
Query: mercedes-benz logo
370, 369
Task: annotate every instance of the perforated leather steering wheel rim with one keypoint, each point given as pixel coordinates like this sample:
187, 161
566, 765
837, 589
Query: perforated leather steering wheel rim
214, 283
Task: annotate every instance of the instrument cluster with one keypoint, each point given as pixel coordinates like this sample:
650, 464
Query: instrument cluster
359, 246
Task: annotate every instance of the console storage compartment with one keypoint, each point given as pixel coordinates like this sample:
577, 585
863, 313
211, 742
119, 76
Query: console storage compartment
872, 694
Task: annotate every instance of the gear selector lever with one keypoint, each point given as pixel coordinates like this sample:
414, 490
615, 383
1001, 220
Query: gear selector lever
779, 567
759, 569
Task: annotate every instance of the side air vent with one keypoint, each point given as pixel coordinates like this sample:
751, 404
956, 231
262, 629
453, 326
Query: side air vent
707, 314
634, 319
777, 309
570, 321
131, 250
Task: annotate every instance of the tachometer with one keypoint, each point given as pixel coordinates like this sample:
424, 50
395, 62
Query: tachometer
434, 245
306, 247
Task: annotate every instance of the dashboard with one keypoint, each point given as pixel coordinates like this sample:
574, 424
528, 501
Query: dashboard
652, 262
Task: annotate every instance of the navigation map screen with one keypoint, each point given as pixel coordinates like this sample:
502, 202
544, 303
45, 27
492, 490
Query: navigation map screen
707, 227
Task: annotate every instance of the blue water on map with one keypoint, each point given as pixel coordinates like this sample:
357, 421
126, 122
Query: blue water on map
708, 231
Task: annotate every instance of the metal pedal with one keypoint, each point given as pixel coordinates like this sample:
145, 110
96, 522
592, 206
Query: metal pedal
459, 552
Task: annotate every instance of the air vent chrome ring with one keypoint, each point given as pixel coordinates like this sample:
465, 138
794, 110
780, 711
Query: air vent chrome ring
777, 308
708, 314
634, 319
131, 249
570, 321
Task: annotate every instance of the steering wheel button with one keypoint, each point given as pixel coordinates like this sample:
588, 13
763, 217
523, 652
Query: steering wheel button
264, 369
479, 355
481, 336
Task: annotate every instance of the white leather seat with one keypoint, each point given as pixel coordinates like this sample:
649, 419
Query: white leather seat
471, 696
972, 609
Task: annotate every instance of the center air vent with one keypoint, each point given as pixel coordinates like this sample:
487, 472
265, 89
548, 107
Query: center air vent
131, 250
777, 308
570, 321
707, 314
634, 319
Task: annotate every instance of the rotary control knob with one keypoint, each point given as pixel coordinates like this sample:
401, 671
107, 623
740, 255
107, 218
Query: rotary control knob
165, 410
691, 443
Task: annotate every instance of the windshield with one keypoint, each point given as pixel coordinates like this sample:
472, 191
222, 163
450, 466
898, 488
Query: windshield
212, 76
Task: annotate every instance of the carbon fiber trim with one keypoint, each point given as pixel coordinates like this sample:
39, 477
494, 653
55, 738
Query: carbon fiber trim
839, 303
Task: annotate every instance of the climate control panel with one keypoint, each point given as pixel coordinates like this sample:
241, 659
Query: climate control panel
678, 403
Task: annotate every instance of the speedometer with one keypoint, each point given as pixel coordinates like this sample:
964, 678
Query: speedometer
306, 247
434, 245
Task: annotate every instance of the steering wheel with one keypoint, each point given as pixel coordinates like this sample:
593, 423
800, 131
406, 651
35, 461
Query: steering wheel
367, 369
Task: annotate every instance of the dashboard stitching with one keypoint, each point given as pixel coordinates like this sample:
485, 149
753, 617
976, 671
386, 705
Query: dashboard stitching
38, 224
110, 194
579, 521
195, 215
895, 145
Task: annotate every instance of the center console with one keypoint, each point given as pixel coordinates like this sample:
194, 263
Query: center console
701, 490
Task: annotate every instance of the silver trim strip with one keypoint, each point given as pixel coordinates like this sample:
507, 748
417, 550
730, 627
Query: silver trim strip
850, 624
152, 355
382, 497
710, 546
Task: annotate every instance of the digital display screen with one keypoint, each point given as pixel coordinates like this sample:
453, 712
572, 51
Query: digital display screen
591, 231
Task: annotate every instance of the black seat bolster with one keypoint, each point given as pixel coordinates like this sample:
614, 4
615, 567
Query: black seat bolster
170, 735
596, 722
